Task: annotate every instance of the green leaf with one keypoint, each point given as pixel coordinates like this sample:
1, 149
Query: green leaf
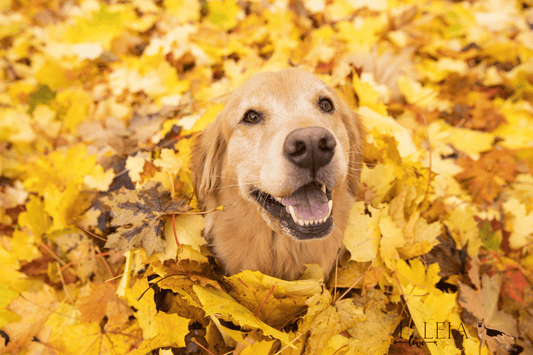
42, 96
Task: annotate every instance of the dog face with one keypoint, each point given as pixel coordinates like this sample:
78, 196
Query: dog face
285, 143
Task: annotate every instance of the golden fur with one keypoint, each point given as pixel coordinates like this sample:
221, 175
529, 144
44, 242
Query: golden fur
231, 157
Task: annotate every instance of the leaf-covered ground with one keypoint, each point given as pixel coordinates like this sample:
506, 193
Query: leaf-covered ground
99, 105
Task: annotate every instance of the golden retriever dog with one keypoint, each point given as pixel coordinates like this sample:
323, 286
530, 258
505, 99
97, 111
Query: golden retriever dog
283, 157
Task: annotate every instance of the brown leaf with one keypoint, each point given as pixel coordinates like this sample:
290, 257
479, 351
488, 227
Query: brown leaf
93, 306
360, 319
484, 116
138, 217
473, 109
485, 177
34, 308
451, 260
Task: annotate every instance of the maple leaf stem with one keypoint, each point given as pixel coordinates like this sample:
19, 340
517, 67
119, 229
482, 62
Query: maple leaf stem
172, 193
355, 283
336, 351
71, 263
101, 256
87, 232
52, 254
200, 345
233, 287
395, 272
174, 229
242, 282
264, 301
154, 284
286, 346
189, 213
60, 274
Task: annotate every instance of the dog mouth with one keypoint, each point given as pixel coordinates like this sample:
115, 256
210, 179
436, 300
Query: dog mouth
305, 214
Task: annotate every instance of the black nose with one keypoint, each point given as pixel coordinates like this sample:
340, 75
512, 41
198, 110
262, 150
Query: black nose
310, 147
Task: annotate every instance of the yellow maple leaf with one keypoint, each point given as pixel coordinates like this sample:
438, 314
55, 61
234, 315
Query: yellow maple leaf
151, 74
357, 326
24, 246
15, 126
423, 313
427, 304
380, 179
10, 276
258, 348
35, 217
184, 152
6, 316
77, 103
135, 166
423, 96
362, 33
98, 26
45, 116
169, 161
392, 238
90, 338
52, 72
183, 10
208, 117
440, 69
188, 232
159, 329
60, 169
362, 235
521, 223
220, 303
33, 308
463, 228
382, 125
338, 10
519, 127
278, 301
416, 273
368, 96
99, 180
471, 142
223, 13
420, 236
63, 205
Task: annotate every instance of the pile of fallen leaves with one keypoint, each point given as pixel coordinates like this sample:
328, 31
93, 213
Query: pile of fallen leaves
100, 236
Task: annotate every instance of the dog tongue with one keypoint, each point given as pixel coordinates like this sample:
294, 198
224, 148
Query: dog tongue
309, 203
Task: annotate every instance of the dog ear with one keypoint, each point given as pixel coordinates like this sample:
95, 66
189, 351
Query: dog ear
207, 160
356, 136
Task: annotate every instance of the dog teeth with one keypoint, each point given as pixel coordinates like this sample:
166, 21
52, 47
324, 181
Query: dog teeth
310, 222
323, 188
291, 210
278, 199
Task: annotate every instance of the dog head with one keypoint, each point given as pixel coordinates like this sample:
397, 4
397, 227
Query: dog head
287, 142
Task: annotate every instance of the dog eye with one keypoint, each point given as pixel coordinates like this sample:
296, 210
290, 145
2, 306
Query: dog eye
252, 117
325, 105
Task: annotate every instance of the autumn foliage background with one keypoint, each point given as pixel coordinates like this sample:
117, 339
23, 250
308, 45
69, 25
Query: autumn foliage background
99, 106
